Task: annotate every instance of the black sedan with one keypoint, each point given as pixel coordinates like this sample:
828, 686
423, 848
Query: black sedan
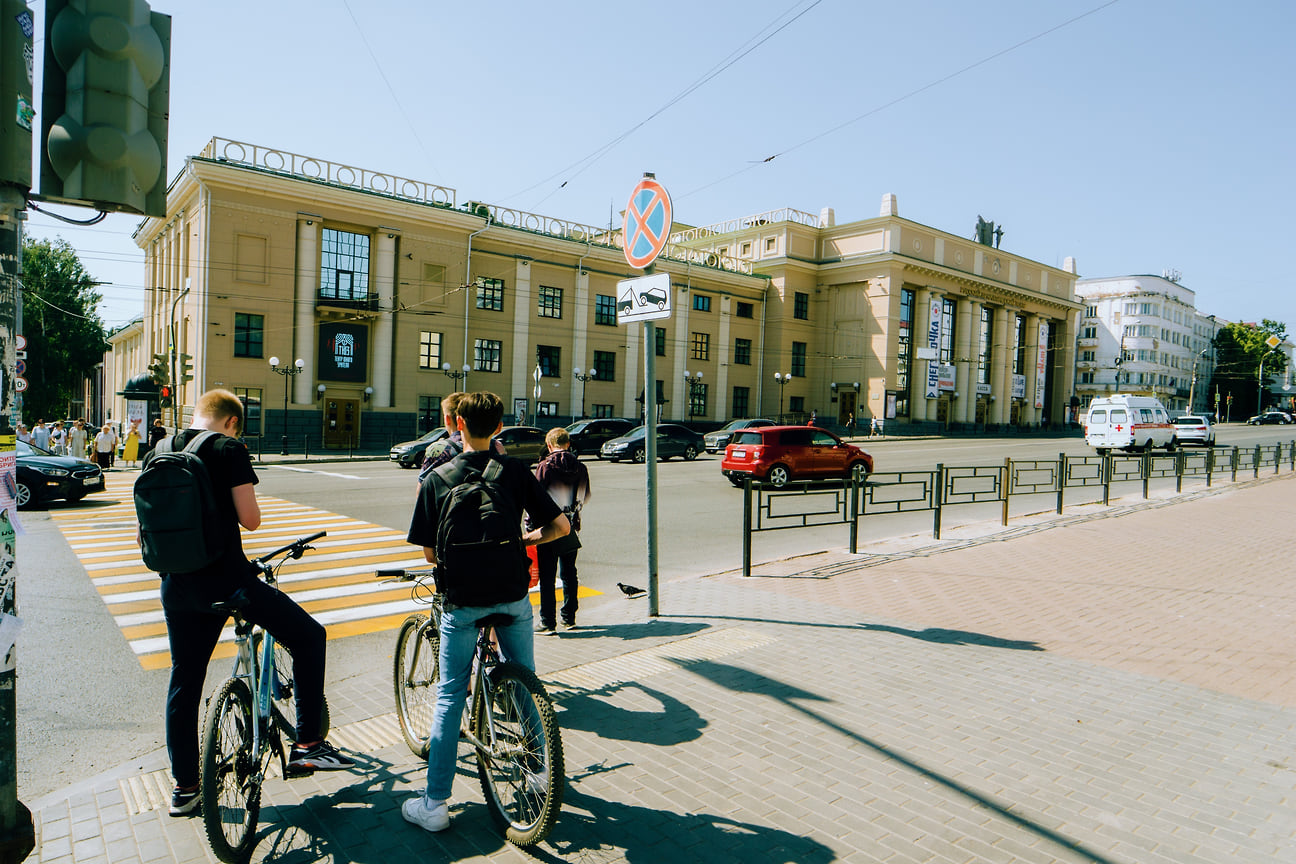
672, 440
1269, 418
719, 439
587, 436
409, 454
42, 477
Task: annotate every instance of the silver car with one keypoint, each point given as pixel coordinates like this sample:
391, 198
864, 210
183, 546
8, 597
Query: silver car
1194, 429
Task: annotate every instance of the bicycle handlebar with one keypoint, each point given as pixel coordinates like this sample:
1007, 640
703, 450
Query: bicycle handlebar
297, 547
403, 575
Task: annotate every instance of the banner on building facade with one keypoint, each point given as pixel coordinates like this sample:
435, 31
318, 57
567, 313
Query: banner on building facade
343, 352
1041, 364
933, 343
1019, 386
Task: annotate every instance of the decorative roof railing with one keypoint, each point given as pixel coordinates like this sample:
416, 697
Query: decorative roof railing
733, 226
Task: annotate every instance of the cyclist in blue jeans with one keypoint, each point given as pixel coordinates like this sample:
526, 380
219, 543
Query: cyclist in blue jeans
479, 417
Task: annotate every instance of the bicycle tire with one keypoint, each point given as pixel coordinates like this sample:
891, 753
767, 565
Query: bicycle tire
416, 693
522, 778
231, 797
283, 697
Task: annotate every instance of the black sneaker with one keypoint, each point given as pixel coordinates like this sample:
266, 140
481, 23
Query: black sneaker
569, 625
184, 803
545, 630
320, 757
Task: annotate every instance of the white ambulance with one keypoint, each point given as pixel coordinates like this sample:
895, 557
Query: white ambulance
1129, 423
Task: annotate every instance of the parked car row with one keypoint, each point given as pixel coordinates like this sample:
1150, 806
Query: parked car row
672, 440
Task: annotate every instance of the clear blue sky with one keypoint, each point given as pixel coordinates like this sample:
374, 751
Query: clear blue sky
1150, 134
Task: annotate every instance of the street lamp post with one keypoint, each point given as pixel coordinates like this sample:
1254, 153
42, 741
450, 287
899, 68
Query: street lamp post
457, 376
287, 372
1260, 382
588, 376
1192, 388
693, 385
782, 382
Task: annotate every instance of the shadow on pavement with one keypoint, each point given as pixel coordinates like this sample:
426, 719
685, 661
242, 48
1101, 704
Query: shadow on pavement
956, 637
674, 722
745, 681
642, 630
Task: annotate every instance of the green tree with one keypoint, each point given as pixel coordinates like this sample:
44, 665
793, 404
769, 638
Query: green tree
65, 336
1239, 349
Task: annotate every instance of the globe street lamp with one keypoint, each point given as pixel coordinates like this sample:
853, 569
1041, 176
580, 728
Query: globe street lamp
588, 376
782, 382
457, 376
287, 372
694, 386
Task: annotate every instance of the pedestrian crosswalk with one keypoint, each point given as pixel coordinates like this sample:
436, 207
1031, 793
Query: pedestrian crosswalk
334, 582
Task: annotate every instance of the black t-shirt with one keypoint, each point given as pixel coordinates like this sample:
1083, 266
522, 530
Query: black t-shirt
518, 482
228, 465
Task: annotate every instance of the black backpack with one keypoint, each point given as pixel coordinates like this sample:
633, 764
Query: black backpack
176, 507
481, 559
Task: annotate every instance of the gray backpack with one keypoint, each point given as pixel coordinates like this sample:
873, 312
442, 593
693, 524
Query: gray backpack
176, 507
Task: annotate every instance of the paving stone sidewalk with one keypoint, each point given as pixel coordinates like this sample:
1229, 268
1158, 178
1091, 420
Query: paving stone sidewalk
1114, 687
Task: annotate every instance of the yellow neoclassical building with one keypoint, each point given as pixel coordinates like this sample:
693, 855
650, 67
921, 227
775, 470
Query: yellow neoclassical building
378, 294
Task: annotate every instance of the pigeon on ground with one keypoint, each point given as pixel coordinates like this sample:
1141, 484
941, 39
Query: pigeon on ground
630, 590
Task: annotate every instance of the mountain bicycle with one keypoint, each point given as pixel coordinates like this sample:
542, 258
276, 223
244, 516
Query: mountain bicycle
508, 718
241, 737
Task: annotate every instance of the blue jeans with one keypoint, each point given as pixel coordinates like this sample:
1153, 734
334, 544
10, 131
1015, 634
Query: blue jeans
458, 641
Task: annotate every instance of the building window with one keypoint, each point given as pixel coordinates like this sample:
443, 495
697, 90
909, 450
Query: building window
601, 411
741, 402
547, 409
604, 368
249, 330
251, 399
701, 302
486, 355
742, 352
798, 359
771, 245
796, 404
904, 351
550, 302
743, 310
659, 339
1089, 332
429, 413
801, 306
344, 265
605, 309
701, 346
1088, 356
697, 399
1086, 377
1019, 346
549, 357
490, 294
745, 250
984, 349
1091, 312
429, 350
947, 331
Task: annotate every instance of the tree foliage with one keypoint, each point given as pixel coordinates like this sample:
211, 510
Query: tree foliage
65, 336
1239, 349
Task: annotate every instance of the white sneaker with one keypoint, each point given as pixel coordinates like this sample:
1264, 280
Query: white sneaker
426, 814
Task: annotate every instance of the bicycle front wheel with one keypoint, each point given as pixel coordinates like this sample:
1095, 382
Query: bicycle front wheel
284, 696
231, 790
522, 773
414, 675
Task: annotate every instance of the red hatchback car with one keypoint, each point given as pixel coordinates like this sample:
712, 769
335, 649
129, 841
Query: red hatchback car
777, 454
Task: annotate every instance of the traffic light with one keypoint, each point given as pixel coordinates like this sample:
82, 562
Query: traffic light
158, 369
165, 394
104, 105
16, 29
186, 369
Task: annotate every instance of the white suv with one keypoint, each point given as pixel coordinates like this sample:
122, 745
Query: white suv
1195, 429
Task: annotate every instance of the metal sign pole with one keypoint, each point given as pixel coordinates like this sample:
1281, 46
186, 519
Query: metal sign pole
650, 459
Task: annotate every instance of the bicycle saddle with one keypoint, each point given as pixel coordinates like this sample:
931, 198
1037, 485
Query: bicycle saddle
237, 602
495, 619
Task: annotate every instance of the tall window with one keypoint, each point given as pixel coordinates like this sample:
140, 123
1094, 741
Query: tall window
486, 355
742, 352
1019, 346
600, 410
490, 294
550, 302
547, 409
604, 368
344, 265
743, 310
701, 302
796, 404
799, 359
429, 350
984, 348
701, 346
741, 401
429, 412
904, 351
801, 306
947, 331
251, 399
249, 331
605, 309
550, 359
697, 406
659, 342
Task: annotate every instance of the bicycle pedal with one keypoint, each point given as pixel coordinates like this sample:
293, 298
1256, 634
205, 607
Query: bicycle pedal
290, 772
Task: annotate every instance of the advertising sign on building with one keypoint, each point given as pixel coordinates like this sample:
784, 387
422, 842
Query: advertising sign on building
343, 352
945, 378
1019, 386
933, 343
1041, 364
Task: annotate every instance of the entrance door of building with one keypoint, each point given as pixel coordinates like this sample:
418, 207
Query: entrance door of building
845, 407
341, 423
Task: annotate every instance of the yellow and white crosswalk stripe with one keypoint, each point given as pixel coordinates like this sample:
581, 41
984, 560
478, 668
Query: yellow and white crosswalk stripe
334, 582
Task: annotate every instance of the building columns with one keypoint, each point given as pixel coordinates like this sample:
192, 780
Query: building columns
385, 282
1031, 414
969, 316
308, 277
1001, 357
918, 401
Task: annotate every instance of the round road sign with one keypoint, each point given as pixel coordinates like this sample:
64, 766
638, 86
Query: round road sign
647, 223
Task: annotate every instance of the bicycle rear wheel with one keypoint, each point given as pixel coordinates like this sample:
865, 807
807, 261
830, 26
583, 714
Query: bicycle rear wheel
231, 792
414, 675
522, 775
284, 693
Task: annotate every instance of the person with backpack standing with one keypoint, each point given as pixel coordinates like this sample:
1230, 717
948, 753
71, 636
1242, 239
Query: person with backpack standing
468, 519
442, 451
566, 480
207, 565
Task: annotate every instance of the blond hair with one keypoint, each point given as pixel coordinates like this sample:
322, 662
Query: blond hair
557, 437
218, 405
